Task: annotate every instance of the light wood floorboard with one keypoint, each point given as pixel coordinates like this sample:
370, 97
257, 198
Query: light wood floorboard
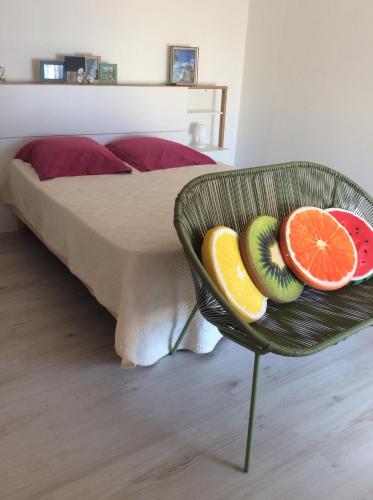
75, 426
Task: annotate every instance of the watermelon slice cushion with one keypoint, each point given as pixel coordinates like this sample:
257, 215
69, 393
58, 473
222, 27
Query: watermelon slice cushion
361, 233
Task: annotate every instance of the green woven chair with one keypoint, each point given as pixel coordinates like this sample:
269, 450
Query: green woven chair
317, 319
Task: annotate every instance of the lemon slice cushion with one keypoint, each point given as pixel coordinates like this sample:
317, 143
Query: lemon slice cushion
222, 259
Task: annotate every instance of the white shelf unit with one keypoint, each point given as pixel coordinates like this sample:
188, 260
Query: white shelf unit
207, 104
204, 102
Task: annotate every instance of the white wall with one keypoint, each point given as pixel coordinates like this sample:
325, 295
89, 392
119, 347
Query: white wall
308, 85
132, 33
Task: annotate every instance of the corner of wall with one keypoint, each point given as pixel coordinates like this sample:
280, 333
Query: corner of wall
242, 102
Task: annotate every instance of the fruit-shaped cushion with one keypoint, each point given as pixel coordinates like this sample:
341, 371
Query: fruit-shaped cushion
261, 255
317, 248
361, 233
222, 260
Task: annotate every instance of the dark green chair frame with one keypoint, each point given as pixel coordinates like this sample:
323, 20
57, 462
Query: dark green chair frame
317, 319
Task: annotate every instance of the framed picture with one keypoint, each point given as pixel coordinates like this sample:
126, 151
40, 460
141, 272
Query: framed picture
183, 65
52, 71
72, 64
92, 67
108, 74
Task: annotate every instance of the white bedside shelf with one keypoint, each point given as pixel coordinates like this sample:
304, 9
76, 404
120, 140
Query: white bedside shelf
209, 148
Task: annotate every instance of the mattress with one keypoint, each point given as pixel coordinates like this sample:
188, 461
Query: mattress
116, 234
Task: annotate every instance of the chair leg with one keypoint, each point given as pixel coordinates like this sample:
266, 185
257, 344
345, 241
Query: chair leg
184, 330
250, 430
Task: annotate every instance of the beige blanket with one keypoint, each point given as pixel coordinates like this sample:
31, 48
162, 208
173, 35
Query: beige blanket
116, 234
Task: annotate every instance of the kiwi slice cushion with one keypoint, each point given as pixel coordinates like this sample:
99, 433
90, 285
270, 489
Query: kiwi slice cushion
263, 260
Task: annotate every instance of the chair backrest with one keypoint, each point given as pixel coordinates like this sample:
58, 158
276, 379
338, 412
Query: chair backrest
232, 198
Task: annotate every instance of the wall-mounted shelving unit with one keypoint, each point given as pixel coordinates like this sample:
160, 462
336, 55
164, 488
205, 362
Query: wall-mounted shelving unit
214, 106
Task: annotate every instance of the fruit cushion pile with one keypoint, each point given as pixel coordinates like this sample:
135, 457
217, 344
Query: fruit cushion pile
324, 249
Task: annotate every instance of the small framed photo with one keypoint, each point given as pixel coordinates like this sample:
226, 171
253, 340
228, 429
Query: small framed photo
108, 74
72, 65
92, 67
183, 65
52, 71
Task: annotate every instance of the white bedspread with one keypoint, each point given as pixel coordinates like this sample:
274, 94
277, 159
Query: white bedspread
116, 234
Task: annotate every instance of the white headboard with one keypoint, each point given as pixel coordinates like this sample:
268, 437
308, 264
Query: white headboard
28, 111
38, 110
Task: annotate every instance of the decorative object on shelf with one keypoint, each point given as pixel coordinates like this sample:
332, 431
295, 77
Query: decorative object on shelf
183, 65
200, 135
108, 74
72, 65
84, 77
92, 67
2, 74
52, 71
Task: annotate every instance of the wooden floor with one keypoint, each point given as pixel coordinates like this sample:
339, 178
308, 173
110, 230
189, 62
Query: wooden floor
74, 425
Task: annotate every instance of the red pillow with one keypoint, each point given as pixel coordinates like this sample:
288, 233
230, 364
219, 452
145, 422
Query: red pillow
152, 153
69, 156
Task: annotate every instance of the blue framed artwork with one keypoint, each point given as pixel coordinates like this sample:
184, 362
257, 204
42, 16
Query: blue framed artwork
183, 66
52, 71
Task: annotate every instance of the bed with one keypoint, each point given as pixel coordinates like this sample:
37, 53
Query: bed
116, 234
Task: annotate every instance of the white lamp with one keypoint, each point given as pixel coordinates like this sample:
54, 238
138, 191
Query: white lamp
200, 135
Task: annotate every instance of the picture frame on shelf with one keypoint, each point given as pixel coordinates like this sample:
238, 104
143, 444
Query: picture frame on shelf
183, 65
92, 67
72, 65
108, 74
52, 71
2, 74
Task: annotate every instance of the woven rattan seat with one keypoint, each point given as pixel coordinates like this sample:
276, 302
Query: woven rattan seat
317, 319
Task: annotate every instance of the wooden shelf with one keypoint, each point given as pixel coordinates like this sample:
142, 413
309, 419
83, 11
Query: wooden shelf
88, 85
120, 84
208, 87
204, 112
221, 113
209, 148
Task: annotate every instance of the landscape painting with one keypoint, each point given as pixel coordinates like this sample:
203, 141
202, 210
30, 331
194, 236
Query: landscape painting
183, 65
